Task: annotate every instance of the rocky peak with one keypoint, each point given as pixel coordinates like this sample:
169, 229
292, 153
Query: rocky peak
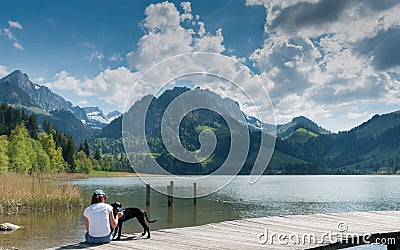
19, 78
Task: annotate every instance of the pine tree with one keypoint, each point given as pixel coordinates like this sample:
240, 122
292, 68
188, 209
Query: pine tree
46, 126
97, 154
69, 153
86, 149
33, 127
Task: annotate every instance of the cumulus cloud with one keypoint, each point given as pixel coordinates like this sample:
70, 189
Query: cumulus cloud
111, 85
187, 8
329, 54
64, 81
167, 34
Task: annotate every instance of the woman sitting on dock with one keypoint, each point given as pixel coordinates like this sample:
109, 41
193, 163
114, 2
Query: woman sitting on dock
99, 219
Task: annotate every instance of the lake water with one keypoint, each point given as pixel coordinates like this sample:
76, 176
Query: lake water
270, 196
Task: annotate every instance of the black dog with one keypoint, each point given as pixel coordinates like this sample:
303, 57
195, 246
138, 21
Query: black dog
129, 213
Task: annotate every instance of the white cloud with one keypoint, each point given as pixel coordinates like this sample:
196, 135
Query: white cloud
18, 46
3, 71
83, 103
96, 55
111, 85
115, 57
356, 115
64, 81
202, 30
294, 105
187, 8
39, 79
15, 25
165, 36
210, 43
7, 32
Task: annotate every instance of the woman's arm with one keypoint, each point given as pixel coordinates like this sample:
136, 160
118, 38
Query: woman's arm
114, 220
86, 224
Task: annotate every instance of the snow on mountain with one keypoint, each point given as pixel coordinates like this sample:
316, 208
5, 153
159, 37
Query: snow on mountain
113, 115
97, 119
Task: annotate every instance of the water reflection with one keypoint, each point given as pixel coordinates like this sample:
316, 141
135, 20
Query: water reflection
43, 229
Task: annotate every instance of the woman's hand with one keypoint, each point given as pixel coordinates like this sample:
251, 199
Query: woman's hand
120, 214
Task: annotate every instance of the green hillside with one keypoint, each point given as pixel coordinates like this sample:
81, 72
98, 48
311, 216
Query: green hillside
378, 124
301, 135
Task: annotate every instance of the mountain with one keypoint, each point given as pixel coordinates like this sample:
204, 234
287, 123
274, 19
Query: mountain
157, 105
300, 129
370, 147
302, 146
189, 128
25, 92
17, 90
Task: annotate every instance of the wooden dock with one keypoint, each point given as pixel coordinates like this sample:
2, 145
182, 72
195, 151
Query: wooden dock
316, 231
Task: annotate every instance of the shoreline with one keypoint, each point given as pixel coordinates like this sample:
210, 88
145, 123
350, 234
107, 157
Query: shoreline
129, 174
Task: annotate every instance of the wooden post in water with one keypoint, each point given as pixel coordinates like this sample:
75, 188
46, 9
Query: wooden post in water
171, 184
169, 196
147, 194
194, 194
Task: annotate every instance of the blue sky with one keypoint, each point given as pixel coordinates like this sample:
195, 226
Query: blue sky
335, 62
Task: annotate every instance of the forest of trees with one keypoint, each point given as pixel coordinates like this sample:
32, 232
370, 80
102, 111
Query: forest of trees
27, 149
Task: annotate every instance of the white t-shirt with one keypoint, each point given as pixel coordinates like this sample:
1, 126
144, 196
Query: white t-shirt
99, 220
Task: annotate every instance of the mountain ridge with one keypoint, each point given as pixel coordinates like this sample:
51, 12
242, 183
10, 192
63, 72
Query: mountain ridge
302, 146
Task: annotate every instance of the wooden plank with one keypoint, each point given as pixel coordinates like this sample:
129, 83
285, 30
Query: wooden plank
245, 233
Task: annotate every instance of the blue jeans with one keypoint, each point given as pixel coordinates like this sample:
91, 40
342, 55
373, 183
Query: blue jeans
98, 240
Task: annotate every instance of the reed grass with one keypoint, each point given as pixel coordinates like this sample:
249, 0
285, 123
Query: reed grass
92, 174
20, 192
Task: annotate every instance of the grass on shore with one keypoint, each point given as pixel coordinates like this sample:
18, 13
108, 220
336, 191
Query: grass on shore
20, 192
92, 174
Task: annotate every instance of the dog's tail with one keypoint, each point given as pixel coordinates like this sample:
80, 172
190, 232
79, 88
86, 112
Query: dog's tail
147, 218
